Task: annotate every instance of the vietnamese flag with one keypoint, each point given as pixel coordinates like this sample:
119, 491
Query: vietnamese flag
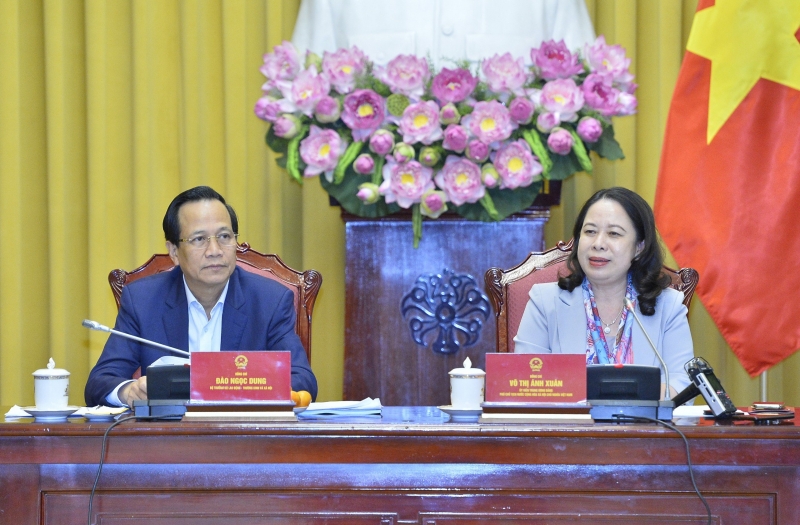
728, 195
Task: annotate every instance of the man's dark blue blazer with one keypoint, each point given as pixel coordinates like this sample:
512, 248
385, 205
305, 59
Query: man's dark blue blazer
258, 314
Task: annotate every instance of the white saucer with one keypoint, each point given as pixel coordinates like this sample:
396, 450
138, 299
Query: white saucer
462, 415
41, 414
99, 418
297, 410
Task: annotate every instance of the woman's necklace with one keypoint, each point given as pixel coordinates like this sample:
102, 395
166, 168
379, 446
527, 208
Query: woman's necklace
607, 326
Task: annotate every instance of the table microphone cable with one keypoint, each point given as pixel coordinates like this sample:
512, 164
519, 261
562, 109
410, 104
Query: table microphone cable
670, 426
104, 447
618, 416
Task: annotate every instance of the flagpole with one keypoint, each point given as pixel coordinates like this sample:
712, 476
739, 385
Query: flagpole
763, 383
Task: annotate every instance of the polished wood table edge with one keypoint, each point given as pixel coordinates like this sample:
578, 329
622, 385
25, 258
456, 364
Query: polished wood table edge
238, 428
376, 427
410, 467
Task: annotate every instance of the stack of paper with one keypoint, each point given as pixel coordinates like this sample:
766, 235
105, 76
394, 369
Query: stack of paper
17, 411
544, 413
240, 411
331, 409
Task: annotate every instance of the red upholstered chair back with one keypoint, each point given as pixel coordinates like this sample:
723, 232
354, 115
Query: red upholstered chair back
508, 289
304, 285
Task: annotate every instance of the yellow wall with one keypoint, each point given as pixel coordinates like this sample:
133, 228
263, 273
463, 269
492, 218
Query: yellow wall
110, 108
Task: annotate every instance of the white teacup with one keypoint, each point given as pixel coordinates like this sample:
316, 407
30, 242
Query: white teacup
466, 387
51, 387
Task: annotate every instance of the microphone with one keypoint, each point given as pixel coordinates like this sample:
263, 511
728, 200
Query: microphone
631, 309
94, 325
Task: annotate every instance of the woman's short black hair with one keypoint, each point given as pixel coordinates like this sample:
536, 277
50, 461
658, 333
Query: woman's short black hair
646, 268
171, 224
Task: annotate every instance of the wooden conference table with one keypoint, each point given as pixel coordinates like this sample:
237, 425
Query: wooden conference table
410, 466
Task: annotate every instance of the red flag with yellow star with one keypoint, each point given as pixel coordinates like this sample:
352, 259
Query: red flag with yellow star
728, 194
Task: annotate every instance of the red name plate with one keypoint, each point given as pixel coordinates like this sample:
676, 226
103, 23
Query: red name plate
535, 378
241, 376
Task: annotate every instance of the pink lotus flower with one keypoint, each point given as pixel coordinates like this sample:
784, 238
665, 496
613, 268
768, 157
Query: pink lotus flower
504, 74
455, 138
547, 121
364, 164
600, 95
516, 165
282, 64
433, 204
609, 61
342, 67
364, 112
560, 141
461, 180
429, 156
313, 59
406, 182
405, 74
589, 129
327, 110
553, 60
321, 151
268, 108
477, 151
403, 152
449, 114
287, 126
304, 92
535, 96
420, 123
563, 98
521, 110
453, 85
458, 128
490, 122
489, 175
626, 104
381, 142
369, 193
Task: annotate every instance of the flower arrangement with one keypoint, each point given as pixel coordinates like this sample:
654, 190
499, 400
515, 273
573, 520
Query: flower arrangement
478, 141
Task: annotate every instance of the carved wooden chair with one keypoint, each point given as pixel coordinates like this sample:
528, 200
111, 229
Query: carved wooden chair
508, 289
305, 285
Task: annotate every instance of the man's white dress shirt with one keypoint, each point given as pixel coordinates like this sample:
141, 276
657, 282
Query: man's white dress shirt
205, 334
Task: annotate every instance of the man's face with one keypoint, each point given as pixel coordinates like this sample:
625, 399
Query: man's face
206, 269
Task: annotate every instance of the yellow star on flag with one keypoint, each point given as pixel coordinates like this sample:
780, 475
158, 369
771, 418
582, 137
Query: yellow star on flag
745, 40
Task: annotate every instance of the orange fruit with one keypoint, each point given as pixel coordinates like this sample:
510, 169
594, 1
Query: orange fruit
296, 398
305, 398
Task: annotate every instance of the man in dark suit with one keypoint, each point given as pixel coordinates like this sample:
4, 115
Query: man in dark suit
205, 303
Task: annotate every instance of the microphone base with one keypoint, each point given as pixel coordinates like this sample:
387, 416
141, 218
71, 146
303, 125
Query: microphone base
609, 409
166, 408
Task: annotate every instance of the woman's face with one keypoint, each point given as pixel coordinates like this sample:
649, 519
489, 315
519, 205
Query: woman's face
607, 244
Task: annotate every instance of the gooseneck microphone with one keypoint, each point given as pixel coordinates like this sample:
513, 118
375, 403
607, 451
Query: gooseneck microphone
631, 309
94, 325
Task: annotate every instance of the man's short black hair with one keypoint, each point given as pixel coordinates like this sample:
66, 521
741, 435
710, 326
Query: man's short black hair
171, 224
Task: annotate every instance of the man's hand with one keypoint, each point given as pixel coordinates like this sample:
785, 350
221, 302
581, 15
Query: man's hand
133, 391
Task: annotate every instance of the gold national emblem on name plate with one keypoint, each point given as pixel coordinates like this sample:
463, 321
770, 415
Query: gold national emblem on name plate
536, 364
240, 361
